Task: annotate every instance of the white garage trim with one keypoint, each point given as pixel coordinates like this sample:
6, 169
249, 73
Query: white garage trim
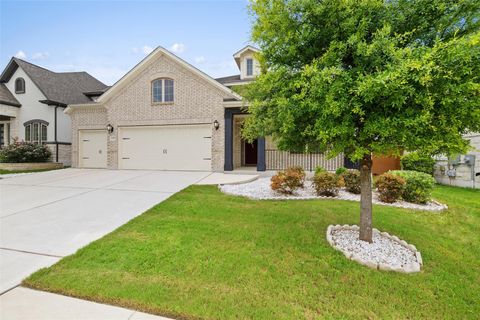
167, 147
92, 148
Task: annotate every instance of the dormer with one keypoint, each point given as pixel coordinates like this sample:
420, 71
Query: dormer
247, 62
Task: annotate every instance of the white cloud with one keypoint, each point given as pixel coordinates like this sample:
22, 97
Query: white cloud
200, 59
40, 55
20, 55
177, 48
145, 50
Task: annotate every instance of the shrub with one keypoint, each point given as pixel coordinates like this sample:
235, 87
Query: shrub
319, 169
340, 171
288, 181
351, 179
326, 184
418, 185
418, 162
18, 152
390, 187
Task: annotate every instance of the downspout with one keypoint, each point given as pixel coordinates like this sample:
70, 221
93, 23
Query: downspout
56, 142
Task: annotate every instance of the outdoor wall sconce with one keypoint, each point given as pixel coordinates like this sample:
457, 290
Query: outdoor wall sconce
216, 124
109, 128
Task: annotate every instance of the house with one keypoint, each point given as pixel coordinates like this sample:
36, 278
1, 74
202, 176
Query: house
32, 100
165, 114
462, 170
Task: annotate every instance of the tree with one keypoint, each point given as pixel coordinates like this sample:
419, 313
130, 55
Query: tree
366, 77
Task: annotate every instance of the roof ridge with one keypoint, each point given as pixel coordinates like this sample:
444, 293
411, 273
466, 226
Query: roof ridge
32, 64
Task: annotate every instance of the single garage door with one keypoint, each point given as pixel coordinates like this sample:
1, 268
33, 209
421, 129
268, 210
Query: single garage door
92, 148
179, 147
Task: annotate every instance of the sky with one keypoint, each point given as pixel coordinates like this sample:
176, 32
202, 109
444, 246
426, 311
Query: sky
108, 38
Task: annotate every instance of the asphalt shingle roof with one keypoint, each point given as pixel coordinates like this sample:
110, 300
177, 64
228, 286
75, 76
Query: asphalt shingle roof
6, 97
60, 87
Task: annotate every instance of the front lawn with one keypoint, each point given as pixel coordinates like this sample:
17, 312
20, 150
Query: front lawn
2, 171
203, 254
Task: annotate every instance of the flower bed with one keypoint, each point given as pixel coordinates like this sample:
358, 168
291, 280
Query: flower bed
260, 190
386, 252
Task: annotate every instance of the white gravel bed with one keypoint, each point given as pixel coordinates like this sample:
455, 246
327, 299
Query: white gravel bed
260, 190
386, 252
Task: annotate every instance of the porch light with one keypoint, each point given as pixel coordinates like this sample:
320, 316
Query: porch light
109, 128
216, 124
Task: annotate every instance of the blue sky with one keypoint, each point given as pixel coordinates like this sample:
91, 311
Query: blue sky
107, 38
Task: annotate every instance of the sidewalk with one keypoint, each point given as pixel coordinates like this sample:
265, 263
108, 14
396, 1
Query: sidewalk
27, 304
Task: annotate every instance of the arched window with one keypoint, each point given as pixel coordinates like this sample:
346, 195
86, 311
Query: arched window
19, 85
162, 90
36, 131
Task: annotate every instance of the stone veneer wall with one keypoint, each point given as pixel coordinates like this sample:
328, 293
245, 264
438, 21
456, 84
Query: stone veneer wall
64, 153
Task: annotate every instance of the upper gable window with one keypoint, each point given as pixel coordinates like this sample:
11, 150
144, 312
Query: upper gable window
249, 67
19, 85
162, 90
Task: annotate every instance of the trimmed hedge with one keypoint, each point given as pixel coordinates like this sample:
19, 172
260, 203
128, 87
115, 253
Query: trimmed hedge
22, 152
390, 187
289, 180
351, 179
418, 185
326, 184
418, 162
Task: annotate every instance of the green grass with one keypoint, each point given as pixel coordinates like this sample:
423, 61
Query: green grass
26, 171
203, 254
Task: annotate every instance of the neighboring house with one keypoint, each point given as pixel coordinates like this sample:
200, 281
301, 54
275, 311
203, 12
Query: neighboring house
463, 170
32, 101
165, 114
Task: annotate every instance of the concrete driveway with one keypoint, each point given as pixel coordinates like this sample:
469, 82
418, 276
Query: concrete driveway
46, 216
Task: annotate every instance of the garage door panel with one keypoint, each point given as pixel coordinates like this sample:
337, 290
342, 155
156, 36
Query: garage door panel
92, 148
186, 147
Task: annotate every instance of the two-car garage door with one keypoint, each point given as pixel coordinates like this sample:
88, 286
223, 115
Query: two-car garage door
181, 147
172, 147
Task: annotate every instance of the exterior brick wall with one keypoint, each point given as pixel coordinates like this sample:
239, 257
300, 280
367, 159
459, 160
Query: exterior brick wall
195, 102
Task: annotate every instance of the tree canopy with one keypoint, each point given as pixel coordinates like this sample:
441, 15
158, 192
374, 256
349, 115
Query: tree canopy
369, 76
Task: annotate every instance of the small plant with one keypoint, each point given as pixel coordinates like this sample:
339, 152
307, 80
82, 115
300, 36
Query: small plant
418, 162
289, 180
20, 152
340, 171
320, 169
418, 185
390, 187
351, 179
326, 184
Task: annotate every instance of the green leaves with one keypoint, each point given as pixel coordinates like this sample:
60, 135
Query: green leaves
366, 77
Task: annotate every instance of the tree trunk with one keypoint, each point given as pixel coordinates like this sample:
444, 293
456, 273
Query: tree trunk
366, 199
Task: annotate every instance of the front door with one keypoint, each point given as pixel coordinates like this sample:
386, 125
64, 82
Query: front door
251, 152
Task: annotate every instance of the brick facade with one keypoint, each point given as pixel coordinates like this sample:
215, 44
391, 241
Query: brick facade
196, 102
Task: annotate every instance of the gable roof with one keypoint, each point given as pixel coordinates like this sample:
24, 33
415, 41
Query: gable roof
233, 80
58, 87
239, 53
6, 97
151, 57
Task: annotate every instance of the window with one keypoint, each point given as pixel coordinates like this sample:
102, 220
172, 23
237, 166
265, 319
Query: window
249, 67
162, 90
19, 85
36, 131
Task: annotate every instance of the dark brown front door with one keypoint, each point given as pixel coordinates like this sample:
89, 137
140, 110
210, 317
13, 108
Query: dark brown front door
251, 151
